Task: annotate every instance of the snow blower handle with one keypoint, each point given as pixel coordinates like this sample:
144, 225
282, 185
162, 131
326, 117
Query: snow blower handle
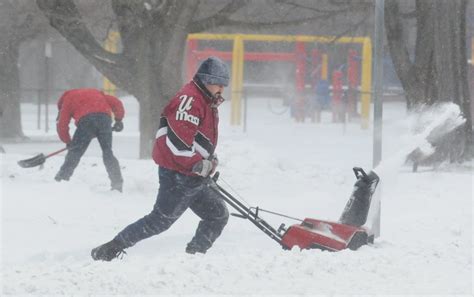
215, 177
245, 212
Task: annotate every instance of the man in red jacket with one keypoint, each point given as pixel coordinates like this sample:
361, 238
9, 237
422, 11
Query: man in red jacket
92, 111
185, 152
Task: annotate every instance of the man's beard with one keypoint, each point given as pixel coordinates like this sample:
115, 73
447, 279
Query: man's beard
217, 100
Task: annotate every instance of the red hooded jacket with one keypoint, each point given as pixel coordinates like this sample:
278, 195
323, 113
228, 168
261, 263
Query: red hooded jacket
78, 103
188, 129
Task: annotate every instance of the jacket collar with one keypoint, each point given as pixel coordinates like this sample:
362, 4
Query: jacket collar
200, 85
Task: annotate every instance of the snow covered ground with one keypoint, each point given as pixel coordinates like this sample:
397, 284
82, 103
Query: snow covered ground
299, 169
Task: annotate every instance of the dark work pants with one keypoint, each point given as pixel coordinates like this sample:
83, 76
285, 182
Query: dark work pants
91, 126
177, 193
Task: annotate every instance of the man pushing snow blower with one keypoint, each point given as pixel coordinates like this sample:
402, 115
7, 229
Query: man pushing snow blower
185, 152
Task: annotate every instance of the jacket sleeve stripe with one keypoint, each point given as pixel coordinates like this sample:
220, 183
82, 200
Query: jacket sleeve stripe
202, 151
205, 144
162, 131
201, 143
177, 142
177, 146
177, 152
163, 122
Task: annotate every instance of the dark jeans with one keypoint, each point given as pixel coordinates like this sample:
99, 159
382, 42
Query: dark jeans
177, 193
91, 126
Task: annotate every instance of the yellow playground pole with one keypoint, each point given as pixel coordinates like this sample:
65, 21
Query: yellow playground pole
237, 79
111, 46
366, 82
324, 66
472, 51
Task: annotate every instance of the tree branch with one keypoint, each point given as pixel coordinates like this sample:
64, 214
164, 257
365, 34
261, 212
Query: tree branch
261, 25
219, 18
348, 6
64, 16
222, 18
353, 27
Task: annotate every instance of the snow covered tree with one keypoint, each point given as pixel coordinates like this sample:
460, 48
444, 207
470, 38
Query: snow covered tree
437, 71
153, 39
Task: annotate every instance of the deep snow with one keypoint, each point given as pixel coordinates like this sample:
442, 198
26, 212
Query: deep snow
300, 169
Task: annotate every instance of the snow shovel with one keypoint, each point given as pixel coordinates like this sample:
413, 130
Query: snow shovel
38, 159
314, 233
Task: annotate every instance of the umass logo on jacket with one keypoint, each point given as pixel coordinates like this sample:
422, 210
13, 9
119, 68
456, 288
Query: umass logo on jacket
183, 108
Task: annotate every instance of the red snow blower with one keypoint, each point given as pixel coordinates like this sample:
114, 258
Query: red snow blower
314, 233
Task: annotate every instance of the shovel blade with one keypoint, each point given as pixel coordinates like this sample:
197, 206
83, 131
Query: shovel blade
32, 162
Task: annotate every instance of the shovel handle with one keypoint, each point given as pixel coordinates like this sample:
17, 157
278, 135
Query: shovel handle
56, 152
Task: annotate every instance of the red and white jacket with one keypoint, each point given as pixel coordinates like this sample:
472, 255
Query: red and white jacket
78, 103
188, 129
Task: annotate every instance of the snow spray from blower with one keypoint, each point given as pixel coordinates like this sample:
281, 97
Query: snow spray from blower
425, 123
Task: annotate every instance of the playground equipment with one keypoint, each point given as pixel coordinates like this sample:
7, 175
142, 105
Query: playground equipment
299, 57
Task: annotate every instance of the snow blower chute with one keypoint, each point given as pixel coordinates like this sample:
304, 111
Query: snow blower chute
348, 232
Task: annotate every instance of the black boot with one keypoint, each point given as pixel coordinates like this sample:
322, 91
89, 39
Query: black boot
59, 177
116, 187
193, 248
108, 251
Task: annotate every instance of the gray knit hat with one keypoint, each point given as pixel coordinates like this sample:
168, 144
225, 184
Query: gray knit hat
213, 72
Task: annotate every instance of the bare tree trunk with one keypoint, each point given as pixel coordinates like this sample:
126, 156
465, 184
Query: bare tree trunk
143, 90
414, 75
450, 69
10, 121
165, 62
19, 21
158, 79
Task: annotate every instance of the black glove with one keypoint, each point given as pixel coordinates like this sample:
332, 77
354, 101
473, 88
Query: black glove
118, 126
